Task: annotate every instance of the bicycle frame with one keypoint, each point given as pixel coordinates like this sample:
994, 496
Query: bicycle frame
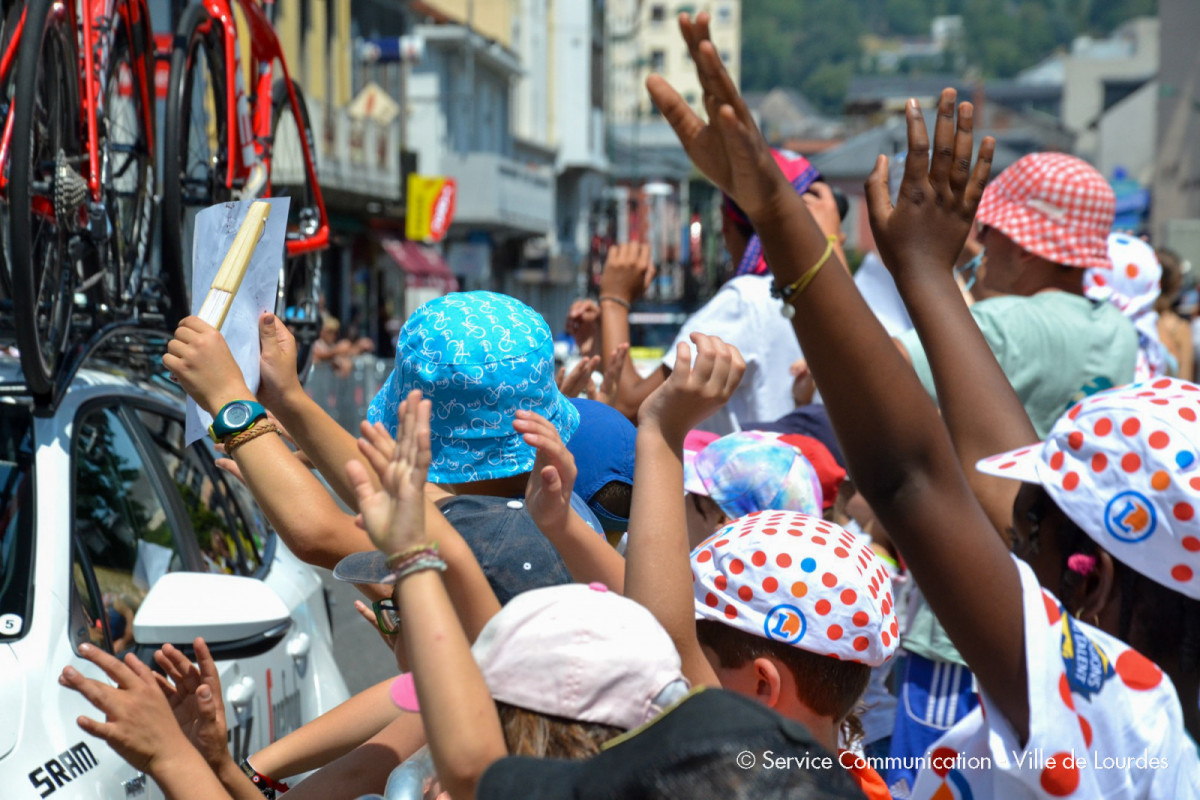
93, 64
249, 140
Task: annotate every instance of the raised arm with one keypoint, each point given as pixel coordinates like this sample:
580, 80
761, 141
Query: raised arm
587, 554
327, 444
978, 403
461, 721
897, 449
657, 571
295, 502
628, 273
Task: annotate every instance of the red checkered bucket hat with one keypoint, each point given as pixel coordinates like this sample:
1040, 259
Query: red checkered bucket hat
1055, 206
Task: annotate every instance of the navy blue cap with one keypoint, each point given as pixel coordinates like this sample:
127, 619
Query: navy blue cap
603, 447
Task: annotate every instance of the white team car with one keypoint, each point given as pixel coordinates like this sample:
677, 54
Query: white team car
114, 533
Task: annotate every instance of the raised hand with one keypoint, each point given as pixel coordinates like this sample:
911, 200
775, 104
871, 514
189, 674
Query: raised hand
394, 515
138, 723
583, 325
200, 360
579, 379
938, 196
628, 271
728, 149
610, 386
693, 392
277, 362
194, 695
548, 493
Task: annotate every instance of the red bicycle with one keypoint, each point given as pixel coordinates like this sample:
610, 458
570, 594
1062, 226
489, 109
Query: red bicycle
220, 143
77, 168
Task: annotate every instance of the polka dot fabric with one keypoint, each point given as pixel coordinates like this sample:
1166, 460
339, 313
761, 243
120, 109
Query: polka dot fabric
1132, 284
1125, 466
1092, 699
1053, 205
801, 580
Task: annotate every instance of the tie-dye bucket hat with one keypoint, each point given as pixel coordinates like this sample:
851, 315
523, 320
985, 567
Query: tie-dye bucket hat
478, 356
1124, 465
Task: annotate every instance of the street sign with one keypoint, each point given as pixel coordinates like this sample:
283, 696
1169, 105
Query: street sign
430, 207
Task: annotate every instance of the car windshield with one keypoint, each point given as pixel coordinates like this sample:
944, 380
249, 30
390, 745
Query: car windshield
16, 519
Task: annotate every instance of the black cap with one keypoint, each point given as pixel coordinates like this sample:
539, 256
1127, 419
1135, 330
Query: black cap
712, 744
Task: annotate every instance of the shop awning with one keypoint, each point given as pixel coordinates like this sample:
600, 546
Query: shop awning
423, 265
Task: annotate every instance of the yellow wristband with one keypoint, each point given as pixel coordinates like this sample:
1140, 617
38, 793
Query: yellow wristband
789, 293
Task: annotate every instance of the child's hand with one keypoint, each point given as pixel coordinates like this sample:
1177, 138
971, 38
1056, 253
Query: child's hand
394, 515
138, 723
548, 493
583, 325
937, 201
693, 392
200, 359
610, 386
579, 379
277, 362
628, 271
729, 150
194, 694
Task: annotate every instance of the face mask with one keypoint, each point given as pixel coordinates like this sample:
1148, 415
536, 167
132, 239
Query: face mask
969, 271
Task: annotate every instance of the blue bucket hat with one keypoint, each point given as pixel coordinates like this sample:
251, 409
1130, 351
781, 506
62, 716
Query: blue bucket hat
604, 452
479, 356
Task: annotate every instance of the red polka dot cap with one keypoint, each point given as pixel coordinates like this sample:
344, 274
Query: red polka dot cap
1053, 205
1131, 282
1124, 465
800, 580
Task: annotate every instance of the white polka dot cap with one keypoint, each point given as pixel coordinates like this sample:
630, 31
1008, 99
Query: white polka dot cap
1124, 465
800, 580
1132, 281
1053, 205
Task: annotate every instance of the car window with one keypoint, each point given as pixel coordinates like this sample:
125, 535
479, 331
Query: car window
121, 520
16, 519
226, 542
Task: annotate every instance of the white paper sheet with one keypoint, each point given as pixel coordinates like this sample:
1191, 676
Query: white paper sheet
216, 227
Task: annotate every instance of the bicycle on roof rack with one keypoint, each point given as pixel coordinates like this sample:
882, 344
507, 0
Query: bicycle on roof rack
77, 173
221, 144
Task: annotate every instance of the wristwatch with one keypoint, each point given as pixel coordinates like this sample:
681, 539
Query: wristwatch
235, 417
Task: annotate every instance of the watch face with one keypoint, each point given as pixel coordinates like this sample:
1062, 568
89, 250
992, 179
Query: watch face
236, 416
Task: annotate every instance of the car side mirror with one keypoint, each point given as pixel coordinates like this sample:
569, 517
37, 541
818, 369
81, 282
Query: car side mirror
228, 611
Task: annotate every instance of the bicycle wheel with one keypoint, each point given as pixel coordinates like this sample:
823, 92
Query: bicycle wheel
195, 143
129, 183
300, 284
46, 193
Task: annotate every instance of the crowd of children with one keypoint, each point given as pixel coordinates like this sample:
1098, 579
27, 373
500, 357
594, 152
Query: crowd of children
984, 532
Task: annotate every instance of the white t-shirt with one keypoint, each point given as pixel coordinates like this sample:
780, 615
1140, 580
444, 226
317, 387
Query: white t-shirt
744, 314
1091, 698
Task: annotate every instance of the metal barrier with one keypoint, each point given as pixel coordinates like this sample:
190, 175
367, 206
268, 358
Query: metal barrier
346, 398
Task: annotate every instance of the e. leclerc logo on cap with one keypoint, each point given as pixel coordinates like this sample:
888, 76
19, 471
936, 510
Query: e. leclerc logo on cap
785, 623
1130, 517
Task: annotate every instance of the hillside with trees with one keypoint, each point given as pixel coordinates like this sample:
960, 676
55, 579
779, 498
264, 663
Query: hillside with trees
816, 45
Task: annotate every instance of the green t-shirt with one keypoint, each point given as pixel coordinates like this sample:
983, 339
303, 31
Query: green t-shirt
1055, 347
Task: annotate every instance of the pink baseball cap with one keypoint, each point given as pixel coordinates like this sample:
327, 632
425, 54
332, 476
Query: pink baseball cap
801, 580
1124, 465
1053, 205
574, 651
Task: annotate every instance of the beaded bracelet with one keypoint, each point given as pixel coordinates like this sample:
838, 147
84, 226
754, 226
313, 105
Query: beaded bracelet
248, 435
404, 555
619, 301
420, 565
793, 290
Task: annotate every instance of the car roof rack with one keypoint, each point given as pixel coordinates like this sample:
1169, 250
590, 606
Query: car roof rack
123, 343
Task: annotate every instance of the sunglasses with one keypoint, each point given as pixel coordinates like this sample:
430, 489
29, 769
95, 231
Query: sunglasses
386, 616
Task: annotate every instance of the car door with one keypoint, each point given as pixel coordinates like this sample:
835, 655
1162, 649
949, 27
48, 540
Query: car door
264, 688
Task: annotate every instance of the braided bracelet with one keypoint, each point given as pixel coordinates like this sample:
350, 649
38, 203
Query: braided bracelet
789, 293
404, 555
420, 565
248, 435
400, 564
